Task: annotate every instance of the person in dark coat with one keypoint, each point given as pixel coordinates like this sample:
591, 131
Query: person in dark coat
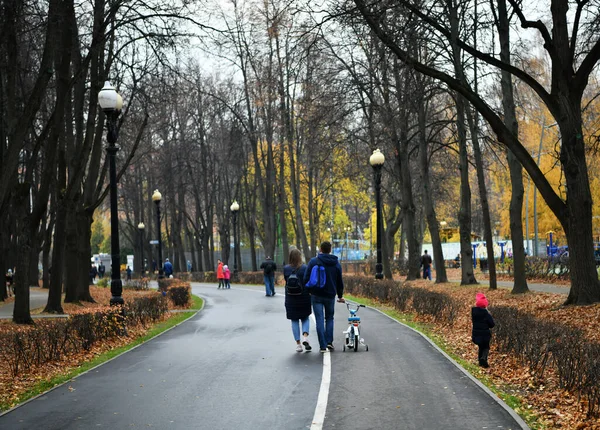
323, 299
269, 267
93, 273
298, 307
482, 323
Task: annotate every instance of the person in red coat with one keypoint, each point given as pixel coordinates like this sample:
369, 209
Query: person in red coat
220, 276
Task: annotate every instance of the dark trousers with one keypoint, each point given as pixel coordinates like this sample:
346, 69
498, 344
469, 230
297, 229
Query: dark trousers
484, 349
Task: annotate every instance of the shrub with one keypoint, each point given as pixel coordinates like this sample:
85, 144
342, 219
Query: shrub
104, 282
48, 341
180, 295
540, 343
141, 284
146, 309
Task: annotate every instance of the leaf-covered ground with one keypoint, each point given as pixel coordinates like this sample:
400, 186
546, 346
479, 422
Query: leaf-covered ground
554, 407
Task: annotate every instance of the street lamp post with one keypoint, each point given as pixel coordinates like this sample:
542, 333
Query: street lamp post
235, 207
376, 160
156, 198
111, 103
141, 228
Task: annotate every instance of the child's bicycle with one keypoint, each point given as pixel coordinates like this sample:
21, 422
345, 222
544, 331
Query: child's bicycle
352, 334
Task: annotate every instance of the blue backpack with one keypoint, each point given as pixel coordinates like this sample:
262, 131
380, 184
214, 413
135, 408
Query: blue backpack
317, 276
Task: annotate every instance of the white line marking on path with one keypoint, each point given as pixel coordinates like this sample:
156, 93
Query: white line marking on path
319, 417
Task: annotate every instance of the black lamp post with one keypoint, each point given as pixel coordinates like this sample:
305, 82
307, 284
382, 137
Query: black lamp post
377, 159
111, 103
156, 198
235, 207
141, 228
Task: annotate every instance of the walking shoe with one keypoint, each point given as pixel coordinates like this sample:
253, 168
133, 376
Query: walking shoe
306, 344
330, 347
298, 348
323, 350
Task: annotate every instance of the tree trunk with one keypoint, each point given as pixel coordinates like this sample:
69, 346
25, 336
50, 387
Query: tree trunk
585, 288
485, 207
438, 255
515, 168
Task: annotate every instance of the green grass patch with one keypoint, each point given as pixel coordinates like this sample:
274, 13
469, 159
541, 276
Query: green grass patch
511, 400
45, 385
197, 302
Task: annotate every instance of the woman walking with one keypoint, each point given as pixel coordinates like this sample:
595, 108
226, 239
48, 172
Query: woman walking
297, 299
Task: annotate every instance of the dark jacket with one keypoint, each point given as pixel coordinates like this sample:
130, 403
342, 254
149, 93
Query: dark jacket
426, 260
297, 307
482, 323
334, 284
269, 267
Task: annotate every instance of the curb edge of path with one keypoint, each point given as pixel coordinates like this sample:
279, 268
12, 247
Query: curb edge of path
101, 364
477, 382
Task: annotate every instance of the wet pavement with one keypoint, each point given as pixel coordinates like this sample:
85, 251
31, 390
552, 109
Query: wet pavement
234, 365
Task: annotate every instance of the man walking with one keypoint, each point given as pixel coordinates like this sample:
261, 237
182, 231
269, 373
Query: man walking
323, 299
101, 270
269, 267
426, 263
168, 268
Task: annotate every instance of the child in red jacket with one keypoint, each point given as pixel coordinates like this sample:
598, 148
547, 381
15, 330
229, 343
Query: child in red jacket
226, 276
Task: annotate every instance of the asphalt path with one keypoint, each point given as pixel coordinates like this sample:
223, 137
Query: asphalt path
234, 366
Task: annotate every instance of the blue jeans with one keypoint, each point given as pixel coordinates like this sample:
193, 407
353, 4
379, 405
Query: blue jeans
270, 284
324, 308
427, 273
296, 327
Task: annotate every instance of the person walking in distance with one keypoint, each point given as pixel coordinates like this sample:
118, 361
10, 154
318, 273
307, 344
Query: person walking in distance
168, 268
323, 298
482, 323
269, 267
101, 270
426, 263
226, 276
93, 274
297, 299
220, 276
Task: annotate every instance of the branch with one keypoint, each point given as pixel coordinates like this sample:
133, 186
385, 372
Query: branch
515, 71
496, 123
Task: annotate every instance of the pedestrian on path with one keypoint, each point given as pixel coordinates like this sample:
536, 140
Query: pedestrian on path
269, 267
482, 323
168, 268
226, 276
93, 274
426, 264
101, 270
220, 276
323, 299
128, 273
297, 299
9, 283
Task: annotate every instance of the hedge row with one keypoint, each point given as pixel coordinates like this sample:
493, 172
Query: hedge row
443, 308
539, 344
51, 340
